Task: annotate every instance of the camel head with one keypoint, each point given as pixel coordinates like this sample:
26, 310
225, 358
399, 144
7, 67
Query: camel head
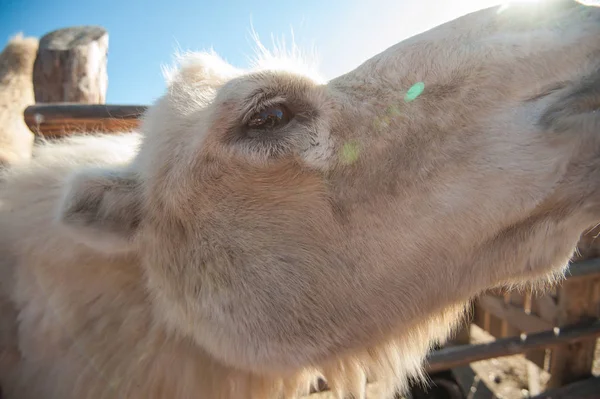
283, 222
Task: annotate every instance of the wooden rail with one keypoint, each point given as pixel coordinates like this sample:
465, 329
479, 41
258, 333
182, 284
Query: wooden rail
584, 269
62, 119
454, 356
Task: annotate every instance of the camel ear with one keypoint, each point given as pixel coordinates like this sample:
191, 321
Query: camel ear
102, 208
199, 70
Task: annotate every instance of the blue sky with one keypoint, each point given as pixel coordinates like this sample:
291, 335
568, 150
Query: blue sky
143, 35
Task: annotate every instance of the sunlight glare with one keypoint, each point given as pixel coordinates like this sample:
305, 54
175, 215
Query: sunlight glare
505, 4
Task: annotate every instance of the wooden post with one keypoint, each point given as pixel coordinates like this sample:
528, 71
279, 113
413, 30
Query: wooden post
537, 359
71, 66
578, 299
462, 336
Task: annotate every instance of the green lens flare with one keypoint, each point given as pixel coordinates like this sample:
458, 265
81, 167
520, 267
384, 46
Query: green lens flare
414, 92
393, 111
350, 152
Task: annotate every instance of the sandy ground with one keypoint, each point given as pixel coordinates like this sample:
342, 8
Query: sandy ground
507, 377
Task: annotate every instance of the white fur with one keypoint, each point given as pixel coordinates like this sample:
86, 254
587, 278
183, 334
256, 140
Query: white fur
199, 260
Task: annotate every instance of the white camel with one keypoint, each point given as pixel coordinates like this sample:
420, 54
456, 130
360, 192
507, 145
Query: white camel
263, 229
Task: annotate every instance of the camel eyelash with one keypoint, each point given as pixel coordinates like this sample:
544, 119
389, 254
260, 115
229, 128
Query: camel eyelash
258, 103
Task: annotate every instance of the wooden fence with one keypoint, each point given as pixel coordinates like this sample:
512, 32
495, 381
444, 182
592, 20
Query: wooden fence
513, 314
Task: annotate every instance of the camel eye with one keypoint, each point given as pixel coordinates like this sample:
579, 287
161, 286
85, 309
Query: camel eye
270, 118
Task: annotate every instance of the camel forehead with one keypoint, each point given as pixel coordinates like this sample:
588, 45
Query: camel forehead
208, 67
204, 79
